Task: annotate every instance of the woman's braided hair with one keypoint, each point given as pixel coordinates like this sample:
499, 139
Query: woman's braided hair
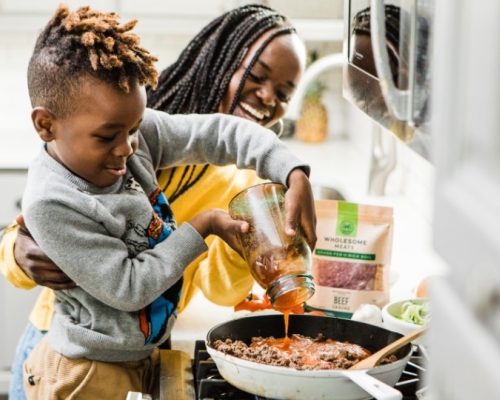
198, 80
76, 45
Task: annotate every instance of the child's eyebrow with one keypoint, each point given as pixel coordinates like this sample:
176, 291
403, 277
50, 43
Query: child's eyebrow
117, 125
111, 125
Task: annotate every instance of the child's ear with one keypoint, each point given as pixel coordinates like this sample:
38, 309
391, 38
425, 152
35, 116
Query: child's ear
42, 121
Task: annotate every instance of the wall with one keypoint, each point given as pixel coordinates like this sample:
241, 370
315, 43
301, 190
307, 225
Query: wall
165, 27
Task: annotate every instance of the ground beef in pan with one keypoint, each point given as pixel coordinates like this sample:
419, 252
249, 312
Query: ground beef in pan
304, 353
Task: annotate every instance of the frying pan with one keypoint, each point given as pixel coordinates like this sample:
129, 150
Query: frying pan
288, 383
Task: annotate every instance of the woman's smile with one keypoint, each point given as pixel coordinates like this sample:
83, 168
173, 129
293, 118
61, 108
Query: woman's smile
256, 114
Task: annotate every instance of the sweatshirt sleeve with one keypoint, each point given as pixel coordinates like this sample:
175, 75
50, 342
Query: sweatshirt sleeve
100, 264
217, 139
8, 264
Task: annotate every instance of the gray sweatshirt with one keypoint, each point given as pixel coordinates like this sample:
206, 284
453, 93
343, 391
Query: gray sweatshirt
121, 245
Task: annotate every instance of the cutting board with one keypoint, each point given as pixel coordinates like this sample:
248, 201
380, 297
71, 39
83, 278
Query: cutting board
176, 377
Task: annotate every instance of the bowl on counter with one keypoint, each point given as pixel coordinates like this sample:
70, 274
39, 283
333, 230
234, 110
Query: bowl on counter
404, 316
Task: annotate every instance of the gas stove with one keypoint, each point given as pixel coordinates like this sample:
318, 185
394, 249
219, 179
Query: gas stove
209, 384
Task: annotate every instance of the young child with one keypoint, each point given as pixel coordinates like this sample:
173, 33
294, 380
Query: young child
93, 204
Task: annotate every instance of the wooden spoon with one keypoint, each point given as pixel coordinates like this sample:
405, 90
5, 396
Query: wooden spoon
375, 358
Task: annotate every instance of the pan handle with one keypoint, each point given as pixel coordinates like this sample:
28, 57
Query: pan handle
378, 389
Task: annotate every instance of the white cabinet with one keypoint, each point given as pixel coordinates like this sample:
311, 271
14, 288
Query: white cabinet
318, 20
465, 340
195, 8
172, 8
36, 6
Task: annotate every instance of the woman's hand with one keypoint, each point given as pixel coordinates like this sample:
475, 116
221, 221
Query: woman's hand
35, 263
299, 207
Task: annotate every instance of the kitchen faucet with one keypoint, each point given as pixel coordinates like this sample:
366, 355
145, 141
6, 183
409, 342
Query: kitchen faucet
383, 158
310, 75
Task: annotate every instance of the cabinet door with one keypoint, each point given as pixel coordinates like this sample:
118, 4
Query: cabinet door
465, 344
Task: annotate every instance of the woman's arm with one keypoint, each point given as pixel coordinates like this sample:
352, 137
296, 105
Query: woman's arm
24, 264
8, 265
299, 207
34, 263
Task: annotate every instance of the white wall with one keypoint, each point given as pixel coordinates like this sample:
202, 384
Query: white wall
165, 27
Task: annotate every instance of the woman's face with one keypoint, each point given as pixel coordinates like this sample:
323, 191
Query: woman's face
271, 82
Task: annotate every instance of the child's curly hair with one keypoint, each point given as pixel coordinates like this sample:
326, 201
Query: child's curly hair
84, 43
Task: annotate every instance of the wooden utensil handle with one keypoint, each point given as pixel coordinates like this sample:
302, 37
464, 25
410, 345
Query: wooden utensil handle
376, 357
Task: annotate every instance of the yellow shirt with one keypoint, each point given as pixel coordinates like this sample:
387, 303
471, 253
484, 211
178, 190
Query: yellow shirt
221, 274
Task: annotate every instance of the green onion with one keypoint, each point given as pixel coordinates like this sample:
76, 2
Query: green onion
415, 313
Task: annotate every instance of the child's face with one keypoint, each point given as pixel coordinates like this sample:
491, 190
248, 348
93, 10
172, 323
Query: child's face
272, 80
95, 141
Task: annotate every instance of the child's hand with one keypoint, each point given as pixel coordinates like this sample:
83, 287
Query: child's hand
218, 222
299, 206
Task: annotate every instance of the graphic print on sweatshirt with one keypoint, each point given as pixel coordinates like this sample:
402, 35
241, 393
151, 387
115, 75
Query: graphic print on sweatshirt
162, 222
153, 318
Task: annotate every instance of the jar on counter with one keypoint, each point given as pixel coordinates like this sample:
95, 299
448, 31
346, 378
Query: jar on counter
279, 263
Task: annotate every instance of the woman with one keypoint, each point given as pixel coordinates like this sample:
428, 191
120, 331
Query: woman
248, 63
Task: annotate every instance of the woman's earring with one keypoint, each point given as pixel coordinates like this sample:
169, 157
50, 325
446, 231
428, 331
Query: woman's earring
278, 127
